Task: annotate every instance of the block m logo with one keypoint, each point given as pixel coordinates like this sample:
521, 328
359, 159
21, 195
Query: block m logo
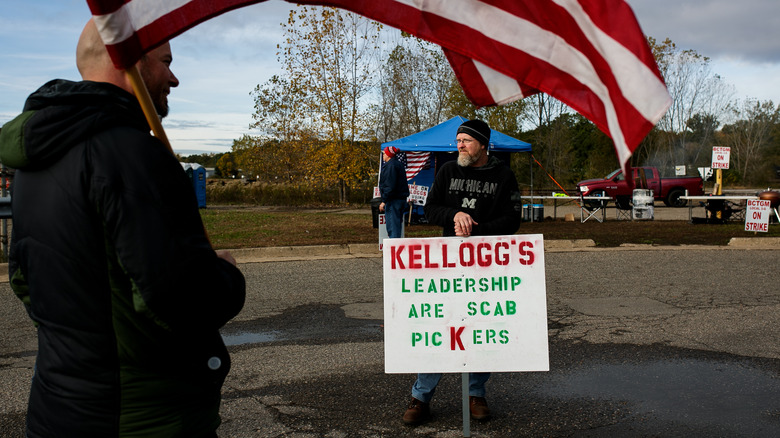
469, 203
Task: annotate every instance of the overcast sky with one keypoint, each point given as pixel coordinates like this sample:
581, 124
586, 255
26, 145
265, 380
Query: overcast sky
219, 62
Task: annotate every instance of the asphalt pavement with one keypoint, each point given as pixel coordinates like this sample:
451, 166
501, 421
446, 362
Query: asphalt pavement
644, 342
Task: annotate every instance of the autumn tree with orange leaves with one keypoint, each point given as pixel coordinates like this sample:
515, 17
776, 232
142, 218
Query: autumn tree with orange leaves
318, 111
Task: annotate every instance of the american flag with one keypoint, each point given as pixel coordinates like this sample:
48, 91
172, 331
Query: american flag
589, 54
414, 162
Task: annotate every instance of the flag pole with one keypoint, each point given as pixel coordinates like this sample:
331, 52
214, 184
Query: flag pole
142, 94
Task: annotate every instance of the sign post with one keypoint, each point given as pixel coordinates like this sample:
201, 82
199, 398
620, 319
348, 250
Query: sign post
462, 305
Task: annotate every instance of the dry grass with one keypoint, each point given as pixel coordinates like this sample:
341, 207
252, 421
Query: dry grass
249, 227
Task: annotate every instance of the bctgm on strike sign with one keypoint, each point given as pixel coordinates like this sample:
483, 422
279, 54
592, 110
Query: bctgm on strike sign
720, 157
455, 305
757, 214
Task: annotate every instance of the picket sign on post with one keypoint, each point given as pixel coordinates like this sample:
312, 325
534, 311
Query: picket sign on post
418, 194
757, 215
461, 305
720, 161
458, 305
720, 157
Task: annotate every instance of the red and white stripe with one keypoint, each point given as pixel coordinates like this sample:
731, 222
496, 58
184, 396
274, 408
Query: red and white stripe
415, 162
130, 28
589, 54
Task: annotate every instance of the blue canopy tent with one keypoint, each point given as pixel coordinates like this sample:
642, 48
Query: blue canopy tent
439, 142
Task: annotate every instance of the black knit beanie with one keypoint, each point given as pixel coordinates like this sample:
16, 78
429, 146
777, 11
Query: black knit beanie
477, 129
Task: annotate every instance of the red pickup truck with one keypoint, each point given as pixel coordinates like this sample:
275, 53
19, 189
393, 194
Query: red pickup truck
667, 190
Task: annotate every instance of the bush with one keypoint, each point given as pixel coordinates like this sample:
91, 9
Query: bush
296, 195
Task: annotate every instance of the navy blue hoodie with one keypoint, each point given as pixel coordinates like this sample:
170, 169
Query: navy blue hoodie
392, 181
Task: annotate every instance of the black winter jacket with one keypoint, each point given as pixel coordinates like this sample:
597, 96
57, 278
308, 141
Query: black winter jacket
488, 193
110, 258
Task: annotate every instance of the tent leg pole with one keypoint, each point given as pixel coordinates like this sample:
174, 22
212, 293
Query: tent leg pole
531, 168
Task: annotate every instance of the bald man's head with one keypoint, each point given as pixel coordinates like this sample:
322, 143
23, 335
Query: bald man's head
95, 64
93, 61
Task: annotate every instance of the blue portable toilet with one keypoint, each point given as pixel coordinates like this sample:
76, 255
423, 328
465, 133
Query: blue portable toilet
197, 175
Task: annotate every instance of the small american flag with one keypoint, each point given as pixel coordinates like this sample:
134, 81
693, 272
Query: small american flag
414, 162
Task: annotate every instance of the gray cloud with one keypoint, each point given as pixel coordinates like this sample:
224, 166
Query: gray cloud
746, 30
187, 124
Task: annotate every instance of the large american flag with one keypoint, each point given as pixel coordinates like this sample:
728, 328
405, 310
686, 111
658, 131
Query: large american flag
414, 162
589, 54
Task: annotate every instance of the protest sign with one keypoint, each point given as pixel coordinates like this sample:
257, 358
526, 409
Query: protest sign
757, 215
474, 304
720, 157
418, 194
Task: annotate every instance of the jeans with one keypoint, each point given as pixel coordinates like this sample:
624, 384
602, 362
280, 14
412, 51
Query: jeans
425, 385
394, 216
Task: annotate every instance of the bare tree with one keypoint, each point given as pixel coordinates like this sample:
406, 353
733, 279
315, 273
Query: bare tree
749, 137
330, 58
413, 89
695, 90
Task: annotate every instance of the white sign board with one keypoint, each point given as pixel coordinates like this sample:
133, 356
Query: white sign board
455, 305
720, 157
382, 230
418, 194
757, 215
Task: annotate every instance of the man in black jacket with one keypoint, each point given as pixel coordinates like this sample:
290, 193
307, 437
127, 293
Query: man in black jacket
477, 195
110, 258
394, 190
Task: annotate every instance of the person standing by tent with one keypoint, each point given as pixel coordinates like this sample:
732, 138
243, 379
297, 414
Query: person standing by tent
477, 195
111, 260
394, 190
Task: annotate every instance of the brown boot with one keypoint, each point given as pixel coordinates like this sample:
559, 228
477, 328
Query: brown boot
417, 412
479, 408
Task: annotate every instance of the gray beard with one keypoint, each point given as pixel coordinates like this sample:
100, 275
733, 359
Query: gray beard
466, 160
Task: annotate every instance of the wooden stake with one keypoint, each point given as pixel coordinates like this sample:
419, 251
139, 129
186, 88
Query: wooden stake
142, 94
719, 181
719, 188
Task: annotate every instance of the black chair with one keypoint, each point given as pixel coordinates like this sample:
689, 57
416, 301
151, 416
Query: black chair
623, 208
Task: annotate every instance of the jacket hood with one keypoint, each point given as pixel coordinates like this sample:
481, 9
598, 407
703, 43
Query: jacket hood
60, 115
491, 164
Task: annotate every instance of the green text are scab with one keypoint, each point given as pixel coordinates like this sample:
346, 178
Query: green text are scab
473, 308
460, 284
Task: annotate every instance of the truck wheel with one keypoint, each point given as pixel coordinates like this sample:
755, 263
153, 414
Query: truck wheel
673, 198
592, 203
